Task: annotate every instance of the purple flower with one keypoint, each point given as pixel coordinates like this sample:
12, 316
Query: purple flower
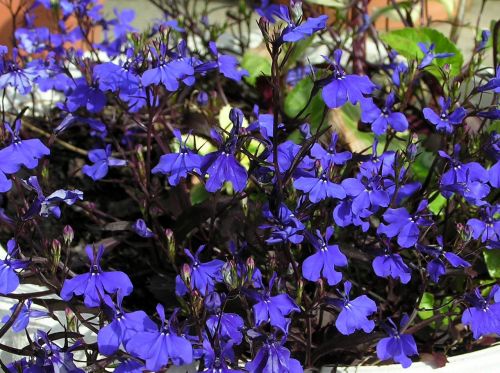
122, 22
23, 317
391, 264
273, 309
483, 317
381, 119
102, 160
216, 360
319, 188
17, 77
9, 280
493, 84
228, 65
222, 165
142, 229
203, 276
429, 54
344, 215
330, 156
51, 357
340, 87
122, 328
485, 37
399, 345
367, 193
436, 267
469, 179
20, 153
273, 357
325, 260
487, 227
168, 73
403, 225
95, 284
294, 33
46, 206
84, 95
284, 226
445, 121
177, 165
158, 347
354, 313
227, 325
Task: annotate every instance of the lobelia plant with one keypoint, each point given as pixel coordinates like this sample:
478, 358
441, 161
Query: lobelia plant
245, 210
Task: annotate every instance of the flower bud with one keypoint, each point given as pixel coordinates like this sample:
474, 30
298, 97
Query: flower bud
186, 275
230, 275
169, 234
202, 98
68, 235
56, 254
250, 268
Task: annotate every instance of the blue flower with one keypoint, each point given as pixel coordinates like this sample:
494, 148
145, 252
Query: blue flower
46, 206
325, 260
9, 280
158, 347
102, 160
445, 121
95, 284
399, 345
487, 226
142, 229
368, 194
403, 225
330, 156
381, 119
483, 317
485, 37
17, 77
228, 65
284, 227
354, 313
168, 73
85, 95
222, 165
178, 165
294, 33
203, 276
19, 153
228, 326
52, 358
319, 188
23, 318
272, 309
216, 360
391, 264
429, 54
436, 267
493, 84
273, 357
340, 87
122, 328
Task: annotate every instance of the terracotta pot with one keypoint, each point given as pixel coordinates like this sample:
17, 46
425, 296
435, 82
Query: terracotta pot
12, 17
436, 11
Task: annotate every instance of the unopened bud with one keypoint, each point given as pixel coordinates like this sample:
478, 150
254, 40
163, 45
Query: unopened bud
230, 275
186, 275
68, 234
300, 291
250, 268
296, 6
169, 234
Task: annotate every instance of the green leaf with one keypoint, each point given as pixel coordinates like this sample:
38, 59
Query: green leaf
329, 3
256, 65
405, 42
492, 259
436, 205
422, 164
427, 303
198, 194
298, 97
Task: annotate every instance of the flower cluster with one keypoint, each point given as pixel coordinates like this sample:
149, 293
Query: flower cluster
226, 227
